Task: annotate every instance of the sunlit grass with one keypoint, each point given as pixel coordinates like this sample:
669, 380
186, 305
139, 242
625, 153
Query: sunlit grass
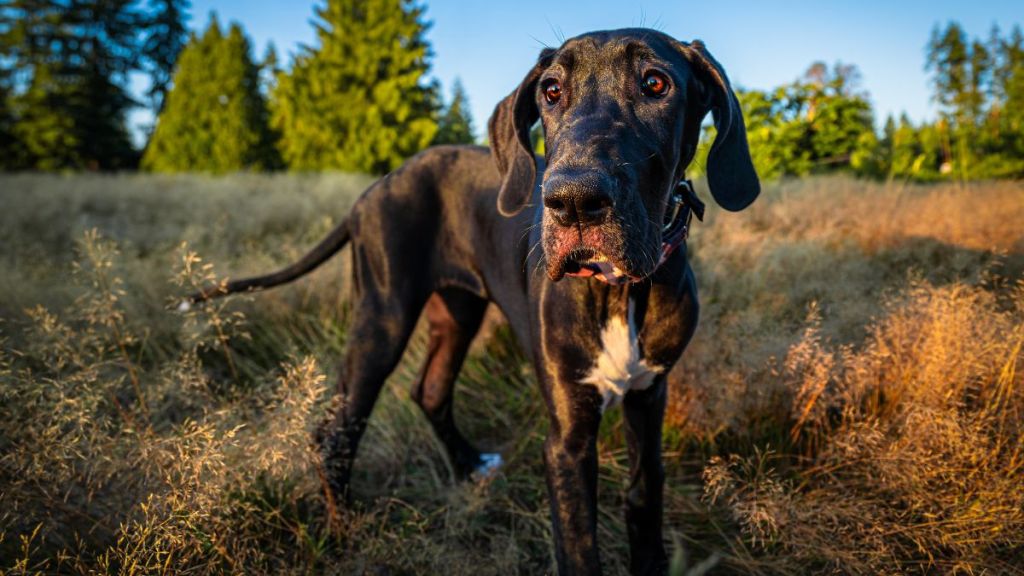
852, 402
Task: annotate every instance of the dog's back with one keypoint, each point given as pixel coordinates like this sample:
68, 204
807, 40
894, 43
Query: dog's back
436, 215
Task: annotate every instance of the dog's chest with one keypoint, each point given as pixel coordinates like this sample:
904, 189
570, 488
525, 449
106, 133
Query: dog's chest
619, 366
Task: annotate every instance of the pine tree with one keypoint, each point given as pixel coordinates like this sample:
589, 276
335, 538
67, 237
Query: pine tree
906, 150
1010, 60
357, 102
270, 68
869, 156
456, 124
962, 78
886, 145
73, 59
948, 59
979, 86
935, 160
215, 118
101, 121
165, 38
1010, 82
45, 128
10, 149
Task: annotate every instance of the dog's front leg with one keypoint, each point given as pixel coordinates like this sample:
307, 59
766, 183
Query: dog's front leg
644, 411
570, 457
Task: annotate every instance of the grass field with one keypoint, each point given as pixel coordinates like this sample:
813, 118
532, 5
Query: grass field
852, 403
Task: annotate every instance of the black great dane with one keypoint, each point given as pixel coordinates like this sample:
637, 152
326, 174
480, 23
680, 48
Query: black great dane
608, 206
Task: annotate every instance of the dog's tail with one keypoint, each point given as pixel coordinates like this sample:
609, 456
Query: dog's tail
327, 247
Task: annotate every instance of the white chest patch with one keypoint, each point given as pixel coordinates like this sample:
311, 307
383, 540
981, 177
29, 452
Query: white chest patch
619, 367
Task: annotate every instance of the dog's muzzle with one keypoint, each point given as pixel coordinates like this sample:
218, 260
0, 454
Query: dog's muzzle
683, 204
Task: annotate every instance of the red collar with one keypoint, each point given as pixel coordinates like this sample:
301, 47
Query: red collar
682, 205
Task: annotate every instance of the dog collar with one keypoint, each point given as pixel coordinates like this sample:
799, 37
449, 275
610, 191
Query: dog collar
682, 205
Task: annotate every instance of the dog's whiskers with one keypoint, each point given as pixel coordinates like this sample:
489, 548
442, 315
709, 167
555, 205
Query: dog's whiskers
625, 163
529, 253
529, 229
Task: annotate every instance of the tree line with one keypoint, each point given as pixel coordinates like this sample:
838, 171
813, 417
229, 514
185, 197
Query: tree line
824, 122
64, 73
360, 99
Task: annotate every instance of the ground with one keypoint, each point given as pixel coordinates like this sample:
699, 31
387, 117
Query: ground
852, 402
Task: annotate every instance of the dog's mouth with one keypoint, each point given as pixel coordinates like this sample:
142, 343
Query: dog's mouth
583, 261
601, 251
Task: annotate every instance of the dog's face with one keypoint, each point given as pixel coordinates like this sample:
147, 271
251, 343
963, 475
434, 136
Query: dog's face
621, 113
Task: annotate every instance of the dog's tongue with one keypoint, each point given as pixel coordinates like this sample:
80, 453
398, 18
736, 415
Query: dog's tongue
566, 267
600, 267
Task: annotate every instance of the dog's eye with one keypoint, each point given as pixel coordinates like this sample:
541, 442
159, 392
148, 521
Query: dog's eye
654, 84
552, 91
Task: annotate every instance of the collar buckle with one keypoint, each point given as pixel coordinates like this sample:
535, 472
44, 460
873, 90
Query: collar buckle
675, 204
682, 197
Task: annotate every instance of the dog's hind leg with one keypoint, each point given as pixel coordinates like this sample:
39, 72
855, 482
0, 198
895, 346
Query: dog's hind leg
454, 316
376, 341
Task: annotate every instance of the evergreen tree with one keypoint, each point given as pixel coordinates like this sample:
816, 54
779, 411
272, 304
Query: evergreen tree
456, 125
905, 149
870, 156
270, 69
948, 59
72, 60
10, 149
935, 160
980, 84
1010, 59
1009, 80
886, 147
215, 119
357, 102
961, 79
100, 112
166, 37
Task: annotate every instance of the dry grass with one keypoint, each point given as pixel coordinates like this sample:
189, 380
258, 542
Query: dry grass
853, 402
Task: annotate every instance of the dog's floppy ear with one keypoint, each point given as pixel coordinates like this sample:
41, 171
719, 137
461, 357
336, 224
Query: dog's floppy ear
731, 175
509, 133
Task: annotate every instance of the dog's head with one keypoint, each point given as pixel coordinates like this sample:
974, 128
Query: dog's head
621, 113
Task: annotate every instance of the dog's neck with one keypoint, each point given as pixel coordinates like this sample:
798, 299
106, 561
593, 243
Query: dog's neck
682, 205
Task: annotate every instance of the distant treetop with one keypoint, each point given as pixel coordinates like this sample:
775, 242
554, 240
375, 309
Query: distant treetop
215, 117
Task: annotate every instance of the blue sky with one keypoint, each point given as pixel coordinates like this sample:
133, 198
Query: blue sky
490, 45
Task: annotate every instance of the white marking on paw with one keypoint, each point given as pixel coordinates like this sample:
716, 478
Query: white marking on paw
619, 367
185, 306
489, 464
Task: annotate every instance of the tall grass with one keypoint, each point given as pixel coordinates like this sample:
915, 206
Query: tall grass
852, 402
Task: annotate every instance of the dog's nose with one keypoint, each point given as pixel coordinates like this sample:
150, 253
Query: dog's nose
578, 197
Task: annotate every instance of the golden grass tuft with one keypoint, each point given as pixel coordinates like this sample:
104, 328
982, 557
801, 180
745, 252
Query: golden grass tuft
905, 452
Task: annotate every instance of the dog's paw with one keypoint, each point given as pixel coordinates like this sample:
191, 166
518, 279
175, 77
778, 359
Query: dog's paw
489, 464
